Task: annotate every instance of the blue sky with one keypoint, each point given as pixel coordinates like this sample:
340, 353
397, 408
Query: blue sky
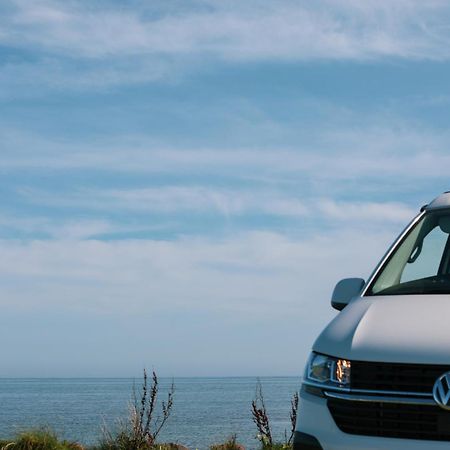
183, 182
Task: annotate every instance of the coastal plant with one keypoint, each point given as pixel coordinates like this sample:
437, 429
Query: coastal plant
229, 444
261, 418
38, 440
144, 424
262, 421
293, 417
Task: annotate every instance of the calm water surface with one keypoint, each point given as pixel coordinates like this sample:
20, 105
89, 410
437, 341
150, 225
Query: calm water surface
206, 410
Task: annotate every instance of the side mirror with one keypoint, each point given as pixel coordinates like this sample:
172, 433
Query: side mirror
344, 291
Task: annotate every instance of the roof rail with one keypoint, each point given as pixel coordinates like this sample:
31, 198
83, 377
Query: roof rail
440, 202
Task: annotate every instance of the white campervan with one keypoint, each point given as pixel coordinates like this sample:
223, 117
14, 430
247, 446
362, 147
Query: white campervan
379, 374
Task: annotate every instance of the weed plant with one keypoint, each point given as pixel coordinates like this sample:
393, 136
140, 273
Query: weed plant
261, 419
38, 440
144, 423
229, 444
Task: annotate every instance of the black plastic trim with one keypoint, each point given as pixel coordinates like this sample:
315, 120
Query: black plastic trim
303, 441
312, 390
338, 305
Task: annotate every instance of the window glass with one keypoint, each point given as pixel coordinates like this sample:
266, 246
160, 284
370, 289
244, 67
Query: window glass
420, 264
428, 261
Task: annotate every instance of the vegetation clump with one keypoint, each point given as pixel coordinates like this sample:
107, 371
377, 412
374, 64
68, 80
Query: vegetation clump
229, 444
38, 440
144, 423
262, 422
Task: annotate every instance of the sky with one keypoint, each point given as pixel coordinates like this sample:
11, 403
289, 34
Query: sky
184, 181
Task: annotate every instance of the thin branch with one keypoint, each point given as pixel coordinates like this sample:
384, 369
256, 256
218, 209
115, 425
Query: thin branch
150, 407
261, 418
166, 409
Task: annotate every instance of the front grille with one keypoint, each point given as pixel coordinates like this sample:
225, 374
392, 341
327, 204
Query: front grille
399, 377
424, 422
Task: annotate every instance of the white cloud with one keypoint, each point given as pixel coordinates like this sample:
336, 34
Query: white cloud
302, 182
176, 200
393, 152
52, 73
170, 199
366, 211
254, 29
249, 273
145, 42
65, 229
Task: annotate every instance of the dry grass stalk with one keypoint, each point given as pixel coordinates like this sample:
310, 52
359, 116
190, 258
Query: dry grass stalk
146, 427
261, 418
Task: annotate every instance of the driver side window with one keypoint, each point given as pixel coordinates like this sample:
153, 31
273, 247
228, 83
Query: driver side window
427, 262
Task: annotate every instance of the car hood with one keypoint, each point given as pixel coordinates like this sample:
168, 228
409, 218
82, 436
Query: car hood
404, 328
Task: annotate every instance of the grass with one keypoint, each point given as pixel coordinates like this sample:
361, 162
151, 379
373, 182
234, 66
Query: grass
38, 440
47, 440
229, 444
124, 443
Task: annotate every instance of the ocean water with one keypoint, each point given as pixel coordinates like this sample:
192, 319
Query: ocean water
206, 410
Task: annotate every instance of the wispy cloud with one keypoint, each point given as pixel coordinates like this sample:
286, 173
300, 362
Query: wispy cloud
238, 273
84, 45
357, 179
196, 200
254, 29
366, 211
67, 229
177, 199
334, 153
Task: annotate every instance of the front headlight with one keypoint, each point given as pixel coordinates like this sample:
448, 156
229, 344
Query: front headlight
328, 371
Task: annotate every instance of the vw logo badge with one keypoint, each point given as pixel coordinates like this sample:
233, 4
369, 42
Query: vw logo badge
441, 391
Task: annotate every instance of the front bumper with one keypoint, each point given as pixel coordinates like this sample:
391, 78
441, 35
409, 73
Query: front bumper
315, 420
303, 441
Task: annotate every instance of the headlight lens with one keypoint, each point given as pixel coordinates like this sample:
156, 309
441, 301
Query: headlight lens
328, 371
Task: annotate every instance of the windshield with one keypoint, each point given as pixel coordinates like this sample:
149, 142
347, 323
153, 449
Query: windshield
421, 262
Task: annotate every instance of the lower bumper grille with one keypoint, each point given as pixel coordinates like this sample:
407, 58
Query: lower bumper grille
404, 421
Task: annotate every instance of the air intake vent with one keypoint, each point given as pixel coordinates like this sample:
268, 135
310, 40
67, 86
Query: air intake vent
398, 377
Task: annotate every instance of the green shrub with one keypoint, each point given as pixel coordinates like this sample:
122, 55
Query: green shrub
38, 440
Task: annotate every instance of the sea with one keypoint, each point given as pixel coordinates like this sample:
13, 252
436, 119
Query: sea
205, 411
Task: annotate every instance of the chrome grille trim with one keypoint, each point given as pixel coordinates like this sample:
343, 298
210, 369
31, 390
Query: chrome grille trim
367, 391
381, 399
